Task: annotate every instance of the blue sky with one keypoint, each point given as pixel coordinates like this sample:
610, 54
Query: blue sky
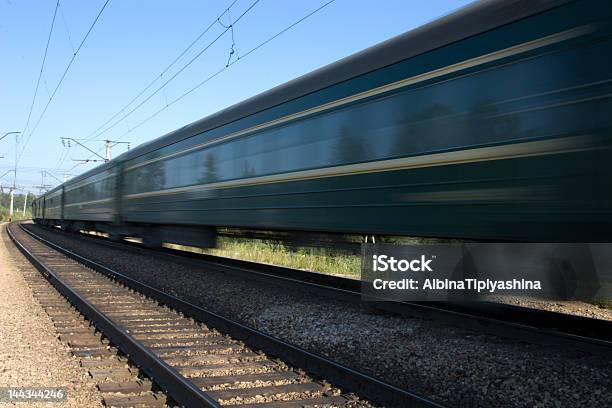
132, 43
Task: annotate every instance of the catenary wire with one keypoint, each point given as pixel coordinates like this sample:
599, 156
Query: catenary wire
191, 61
61, 81
93, 134
42, 67
61, 10
252, 50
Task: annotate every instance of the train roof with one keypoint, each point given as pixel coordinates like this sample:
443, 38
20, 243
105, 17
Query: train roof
468, 21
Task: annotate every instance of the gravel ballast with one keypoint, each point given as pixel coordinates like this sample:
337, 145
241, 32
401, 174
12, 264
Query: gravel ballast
455, 366
574, 307
31, 354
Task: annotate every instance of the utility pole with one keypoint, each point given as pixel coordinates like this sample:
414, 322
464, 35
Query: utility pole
14, 174
25, 202
107, 146
112, 143
11, 205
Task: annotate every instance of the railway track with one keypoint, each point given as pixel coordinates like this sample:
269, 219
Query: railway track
196, 357
530, 325
120, 383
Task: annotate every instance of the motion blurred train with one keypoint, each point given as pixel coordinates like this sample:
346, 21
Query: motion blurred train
491, 123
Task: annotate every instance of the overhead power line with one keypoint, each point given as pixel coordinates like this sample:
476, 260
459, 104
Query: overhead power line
176, 74
61, 10
251, 51
42, 67
284, 30
161, 74
63, 155
74, 55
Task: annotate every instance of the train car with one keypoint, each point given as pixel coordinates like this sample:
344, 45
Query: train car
53, 205
494, 122
37, 209
90, 196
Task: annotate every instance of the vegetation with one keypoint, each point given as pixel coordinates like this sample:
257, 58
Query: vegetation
322, 260
17, 206
317, 259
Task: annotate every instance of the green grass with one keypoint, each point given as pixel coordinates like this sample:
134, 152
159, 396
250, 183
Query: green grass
322, 260
17, 207
17, 215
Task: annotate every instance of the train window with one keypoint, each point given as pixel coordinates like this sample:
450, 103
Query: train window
499, 104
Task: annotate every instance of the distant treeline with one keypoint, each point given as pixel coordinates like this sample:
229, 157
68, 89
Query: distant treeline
5, 202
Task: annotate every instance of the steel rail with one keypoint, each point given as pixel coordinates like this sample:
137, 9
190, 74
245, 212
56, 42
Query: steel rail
530, 325
485, 314
177, 386
346, 377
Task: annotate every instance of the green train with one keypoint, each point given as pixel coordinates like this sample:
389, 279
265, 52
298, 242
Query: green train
492, 123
